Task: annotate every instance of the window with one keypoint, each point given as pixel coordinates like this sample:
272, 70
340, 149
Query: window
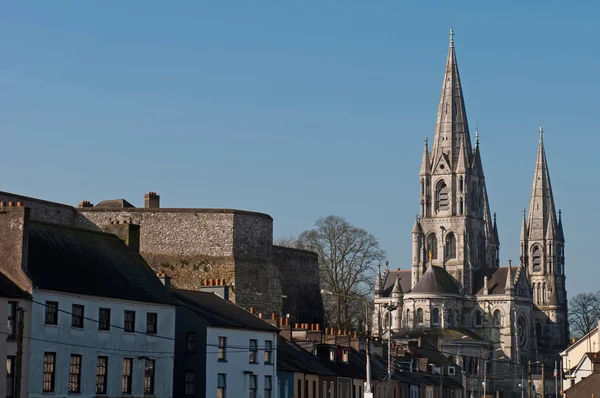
477, 318
129, 321
432, 247
77, 316
51, 313
222, 350
497, 318
221, 385
149, 377
345, 356
190, 383
253, 351
442, 197
75, 373
451, 370
104, 319
49, 370
10, 377
450, 245
12, 316
435, 316
451, 317
268, 351
332, 354
151, 322
126, 375
252, 386
536, 258
191, 341
419, 315
101, 373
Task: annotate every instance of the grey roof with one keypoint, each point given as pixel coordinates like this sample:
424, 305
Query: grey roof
114, 204
405, 281
496, 279
91, 263
436, 280
220, 312
293, 358
10, 289
448, 335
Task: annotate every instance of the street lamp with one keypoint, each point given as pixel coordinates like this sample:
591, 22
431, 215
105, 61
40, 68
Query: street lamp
485, 373
390, 308
367, 337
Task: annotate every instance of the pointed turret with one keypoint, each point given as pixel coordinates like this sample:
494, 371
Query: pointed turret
561, 234
397, 290
509, 286
425, 163
524, 227
463, 161
542, 200
417, 227
551, 227
452, 117
477, 165
378, 283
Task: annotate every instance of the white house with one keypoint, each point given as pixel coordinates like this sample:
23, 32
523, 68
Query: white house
232, 353
102, 323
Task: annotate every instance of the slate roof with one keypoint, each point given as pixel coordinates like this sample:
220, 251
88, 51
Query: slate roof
10, 289
220, 312
293, 358
436, 280
92, 263
405, 281
496, 279
586, 387
114, 204
448, 335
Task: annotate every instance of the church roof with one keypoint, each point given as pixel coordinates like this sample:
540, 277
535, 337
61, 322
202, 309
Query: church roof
497, 278
405, 277
436, 280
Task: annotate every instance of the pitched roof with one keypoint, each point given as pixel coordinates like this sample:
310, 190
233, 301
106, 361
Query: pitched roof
220, 312
10, 289
448, 335
91, 263
293, 358
586, 387
496, 279
405, 281
114, 204
436, 280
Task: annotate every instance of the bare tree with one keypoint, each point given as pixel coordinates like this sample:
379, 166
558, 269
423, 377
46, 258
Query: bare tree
287, 241
347, 256
584, 312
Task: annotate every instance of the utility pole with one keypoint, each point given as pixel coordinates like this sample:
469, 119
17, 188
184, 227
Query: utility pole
19, 359
529, 378
522, 380
390, 308
543, 378
555, 379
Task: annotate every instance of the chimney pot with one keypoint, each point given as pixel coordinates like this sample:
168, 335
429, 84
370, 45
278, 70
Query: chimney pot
85, 203
19, 204
252, 310
151, 200
273, 316
10, 204
317, 327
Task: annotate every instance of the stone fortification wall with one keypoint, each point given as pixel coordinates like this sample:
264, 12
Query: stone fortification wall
299, 270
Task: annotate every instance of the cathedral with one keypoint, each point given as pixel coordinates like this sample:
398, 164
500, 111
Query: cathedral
455, 288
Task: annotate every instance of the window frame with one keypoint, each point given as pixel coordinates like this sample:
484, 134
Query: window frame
268, 352
51, 313
104, 319
221, 387
126, 376
187, 383
129, 325
10, 376
11, 319
77, 319
75, 361
101, 378
222, 348
51, 373
149, 376
269, 387
151, 322
253, 351
252, 390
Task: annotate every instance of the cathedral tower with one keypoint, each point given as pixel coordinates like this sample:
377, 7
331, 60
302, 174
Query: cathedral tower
542, 254
455, 229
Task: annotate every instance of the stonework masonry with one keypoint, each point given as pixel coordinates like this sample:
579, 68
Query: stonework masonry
191, 245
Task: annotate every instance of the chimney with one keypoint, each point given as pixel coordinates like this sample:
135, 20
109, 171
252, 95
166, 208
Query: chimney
128, 233
166, 280
151, 200
85, 203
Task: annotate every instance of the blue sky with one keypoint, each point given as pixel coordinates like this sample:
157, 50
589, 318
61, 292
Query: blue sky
300, 110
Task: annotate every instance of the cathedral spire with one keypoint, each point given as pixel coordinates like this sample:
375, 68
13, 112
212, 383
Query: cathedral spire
378, 283
541, 205
509, 286
452, 117
425, 163
463, 161
524, 227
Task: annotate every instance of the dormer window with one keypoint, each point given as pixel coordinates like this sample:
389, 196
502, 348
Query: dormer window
332, 354
346, 356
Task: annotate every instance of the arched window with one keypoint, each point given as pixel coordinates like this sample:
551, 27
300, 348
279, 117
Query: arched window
544, 293
442, 198
536, 258
462, 207
497, 318
460, 184
420, 315
451, 317
450, 245
538, 329
422, 187
432, 246
477, 318
435, 316
407, 317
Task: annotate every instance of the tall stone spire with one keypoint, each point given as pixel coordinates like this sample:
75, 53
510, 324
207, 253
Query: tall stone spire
425, 163
541, 205
524, 227
451, 117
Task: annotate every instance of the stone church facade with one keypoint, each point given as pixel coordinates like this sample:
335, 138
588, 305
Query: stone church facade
455, 288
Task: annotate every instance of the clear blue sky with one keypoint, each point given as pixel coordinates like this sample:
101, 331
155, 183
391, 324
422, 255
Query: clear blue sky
301, 109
